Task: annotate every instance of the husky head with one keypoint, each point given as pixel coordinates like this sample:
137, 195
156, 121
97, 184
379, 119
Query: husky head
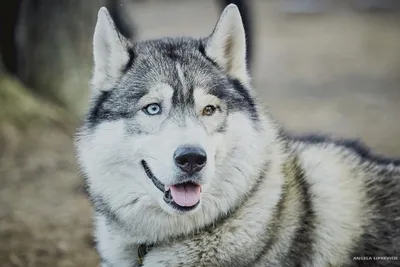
173, 138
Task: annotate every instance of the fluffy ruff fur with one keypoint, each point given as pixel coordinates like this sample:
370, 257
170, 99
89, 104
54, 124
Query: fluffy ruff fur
267, 199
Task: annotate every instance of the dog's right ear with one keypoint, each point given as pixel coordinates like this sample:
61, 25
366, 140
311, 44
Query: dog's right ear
110, 51
227, 44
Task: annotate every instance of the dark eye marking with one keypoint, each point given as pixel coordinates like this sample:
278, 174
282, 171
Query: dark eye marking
97, 114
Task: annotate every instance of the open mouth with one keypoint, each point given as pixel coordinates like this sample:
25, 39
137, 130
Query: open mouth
182, 197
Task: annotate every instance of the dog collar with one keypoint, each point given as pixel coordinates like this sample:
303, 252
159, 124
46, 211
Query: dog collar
143, 249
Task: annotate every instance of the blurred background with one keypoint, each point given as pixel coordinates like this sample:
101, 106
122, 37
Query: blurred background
324, 66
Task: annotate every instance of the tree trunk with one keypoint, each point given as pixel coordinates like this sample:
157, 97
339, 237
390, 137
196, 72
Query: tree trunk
54, 40
8, 22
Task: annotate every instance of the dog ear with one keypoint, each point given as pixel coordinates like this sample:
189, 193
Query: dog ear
227, 44
110, 51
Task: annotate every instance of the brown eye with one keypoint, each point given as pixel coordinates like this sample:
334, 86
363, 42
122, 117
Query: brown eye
209, 110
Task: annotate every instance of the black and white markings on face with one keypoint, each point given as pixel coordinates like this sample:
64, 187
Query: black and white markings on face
181, 64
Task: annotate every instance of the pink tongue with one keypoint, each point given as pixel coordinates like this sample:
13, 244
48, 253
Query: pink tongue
186, 195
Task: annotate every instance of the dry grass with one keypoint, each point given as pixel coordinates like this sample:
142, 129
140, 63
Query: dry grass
44, 218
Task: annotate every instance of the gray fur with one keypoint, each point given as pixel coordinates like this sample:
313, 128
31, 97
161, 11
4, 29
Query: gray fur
269, 199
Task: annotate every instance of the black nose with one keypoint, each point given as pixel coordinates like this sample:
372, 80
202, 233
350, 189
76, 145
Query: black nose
190, 159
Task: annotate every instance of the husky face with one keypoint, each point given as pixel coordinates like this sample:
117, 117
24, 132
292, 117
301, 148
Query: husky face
169, 123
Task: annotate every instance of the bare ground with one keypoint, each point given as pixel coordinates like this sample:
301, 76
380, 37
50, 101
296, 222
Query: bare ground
337, 73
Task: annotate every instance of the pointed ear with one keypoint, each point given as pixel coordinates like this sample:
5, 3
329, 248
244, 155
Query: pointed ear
227, 44
110, 51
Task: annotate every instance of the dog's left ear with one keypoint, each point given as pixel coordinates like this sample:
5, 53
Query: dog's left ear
227, 44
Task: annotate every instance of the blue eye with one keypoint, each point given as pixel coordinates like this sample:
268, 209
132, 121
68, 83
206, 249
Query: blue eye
152, 109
